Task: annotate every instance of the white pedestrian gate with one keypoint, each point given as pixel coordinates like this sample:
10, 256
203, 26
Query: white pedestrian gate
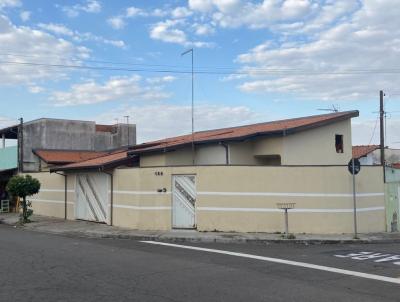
184, 201
92, 197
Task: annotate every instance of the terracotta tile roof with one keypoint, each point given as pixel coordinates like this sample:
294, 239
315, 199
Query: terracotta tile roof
282, 127
396, 165
363, 150
66, 156
110, 160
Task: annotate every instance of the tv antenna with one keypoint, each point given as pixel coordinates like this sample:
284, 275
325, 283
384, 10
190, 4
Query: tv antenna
335, 108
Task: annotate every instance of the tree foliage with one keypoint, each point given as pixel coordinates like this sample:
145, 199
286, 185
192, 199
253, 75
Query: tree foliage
23, 186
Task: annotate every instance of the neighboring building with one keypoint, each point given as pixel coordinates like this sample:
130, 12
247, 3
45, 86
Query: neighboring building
43, 143
392, 197
371, 155
63, 135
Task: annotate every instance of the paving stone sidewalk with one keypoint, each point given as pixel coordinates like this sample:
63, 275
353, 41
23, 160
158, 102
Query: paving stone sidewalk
96, 230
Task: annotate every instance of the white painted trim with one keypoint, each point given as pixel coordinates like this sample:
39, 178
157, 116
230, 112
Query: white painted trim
274, 210
56, 190
289, 194
284, 261
49, 201
140, 192
157, 208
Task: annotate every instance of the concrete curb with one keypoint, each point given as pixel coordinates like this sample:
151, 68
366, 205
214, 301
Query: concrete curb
198, 238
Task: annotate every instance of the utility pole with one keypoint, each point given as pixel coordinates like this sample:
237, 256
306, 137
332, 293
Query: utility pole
382, 132
354, 198
127, 123
193, 150
21, 145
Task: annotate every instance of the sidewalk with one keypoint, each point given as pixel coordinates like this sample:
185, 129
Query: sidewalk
96, 230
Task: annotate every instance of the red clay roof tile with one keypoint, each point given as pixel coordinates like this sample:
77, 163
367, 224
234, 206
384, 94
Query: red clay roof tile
116, 157
66, 156
363, 150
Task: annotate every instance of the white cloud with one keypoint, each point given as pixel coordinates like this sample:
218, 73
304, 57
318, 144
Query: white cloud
34, 46
60, 29
164, 116
134, 11
169, 31
89, 6
317, 66
201, 5
25, 15
160, 80
10, 3
235, 13
116, 22
121, 88
166, 31
57, 29
180, 12
35, 89
203, 29
120, 21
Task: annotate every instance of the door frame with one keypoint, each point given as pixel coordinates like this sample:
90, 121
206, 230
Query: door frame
172, 201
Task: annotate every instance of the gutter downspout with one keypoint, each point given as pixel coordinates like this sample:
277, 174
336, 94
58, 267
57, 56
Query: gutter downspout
111, 195
226, 146
65, 193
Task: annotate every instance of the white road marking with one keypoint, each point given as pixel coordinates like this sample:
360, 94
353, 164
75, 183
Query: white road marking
283, 261
372, 256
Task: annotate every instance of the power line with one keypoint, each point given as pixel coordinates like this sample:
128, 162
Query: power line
206, 68
373, 132
204, 71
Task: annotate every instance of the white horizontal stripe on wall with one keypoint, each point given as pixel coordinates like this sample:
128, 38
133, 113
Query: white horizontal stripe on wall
140, 192
56, 190
216, 209
141, 207
289, 194
49, 201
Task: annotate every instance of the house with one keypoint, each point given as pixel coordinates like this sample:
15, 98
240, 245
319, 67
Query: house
315, 140
229, 179
43, 143
371, 155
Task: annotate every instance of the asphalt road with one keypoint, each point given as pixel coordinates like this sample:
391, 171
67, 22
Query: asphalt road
42, 267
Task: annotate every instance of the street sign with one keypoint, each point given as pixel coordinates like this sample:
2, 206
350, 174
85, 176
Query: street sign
357, 166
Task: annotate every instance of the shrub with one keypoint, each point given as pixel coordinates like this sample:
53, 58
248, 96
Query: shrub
23, 186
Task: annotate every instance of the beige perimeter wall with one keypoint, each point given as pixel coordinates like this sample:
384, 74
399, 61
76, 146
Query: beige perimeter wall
237, 198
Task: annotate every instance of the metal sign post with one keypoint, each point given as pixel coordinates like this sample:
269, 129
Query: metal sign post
286, 206
354, 168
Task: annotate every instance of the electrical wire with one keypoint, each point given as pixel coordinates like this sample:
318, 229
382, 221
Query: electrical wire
198, 71
373, 132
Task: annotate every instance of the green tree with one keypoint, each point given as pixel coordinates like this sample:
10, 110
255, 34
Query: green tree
23, 186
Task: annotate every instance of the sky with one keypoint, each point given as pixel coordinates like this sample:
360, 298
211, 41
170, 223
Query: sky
254, 61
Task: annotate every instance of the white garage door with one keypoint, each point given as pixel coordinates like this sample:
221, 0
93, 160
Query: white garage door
92, 197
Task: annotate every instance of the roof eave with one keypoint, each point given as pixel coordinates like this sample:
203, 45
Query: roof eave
101, 167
